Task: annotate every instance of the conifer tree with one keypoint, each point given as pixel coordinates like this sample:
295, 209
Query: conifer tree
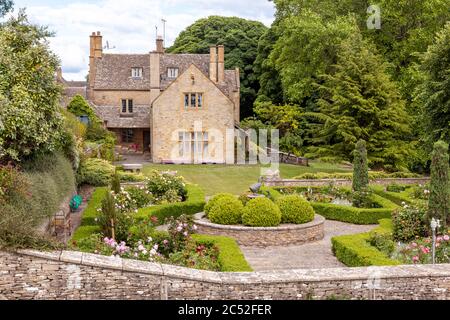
439, 202
359, 101
360, 167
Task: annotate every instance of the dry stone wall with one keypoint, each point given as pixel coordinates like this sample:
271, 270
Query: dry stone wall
76, 275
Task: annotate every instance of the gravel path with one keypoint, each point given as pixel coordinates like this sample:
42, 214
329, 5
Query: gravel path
312, 255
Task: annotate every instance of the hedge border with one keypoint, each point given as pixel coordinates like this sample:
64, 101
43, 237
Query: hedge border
345, 213
355, 250
195, 203
396, 197
231, 258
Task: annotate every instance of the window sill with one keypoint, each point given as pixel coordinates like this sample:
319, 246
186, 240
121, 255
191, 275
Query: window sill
127, 115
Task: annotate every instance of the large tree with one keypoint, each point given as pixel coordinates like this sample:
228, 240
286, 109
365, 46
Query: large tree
30, 121
433, 94
5, 7
240, 38
360, 101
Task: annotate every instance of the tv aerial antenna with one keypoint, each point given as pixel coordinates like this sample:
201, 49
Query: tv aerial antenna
109, 46
164, 31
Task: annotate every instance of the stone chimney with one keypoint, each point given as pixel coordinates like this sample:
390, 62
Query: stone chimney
159, 45
59, 75
220, 64
96, 52
213, 63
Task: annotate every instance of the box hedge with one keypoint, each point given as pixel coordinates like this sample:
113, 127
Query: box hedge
230, 257
195, 202
295, 209
356, 251
226, 211
261, 212
346, 213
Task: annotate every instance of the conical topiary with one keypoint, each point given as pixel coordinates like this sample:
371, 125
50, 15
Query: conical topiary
360, 167
439, 201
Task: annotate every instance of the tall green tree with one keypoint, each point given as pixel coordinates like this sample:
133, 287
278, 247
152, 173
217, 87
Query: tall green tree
269, 79
360, 167
30, 121
433, 94
5, 7
306, 48
360, 101
240, 38
439, 202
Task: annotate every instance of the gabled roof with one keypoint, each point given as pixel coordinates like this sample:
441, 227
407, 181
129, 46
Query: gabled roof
181, 61
114, 72
229, 97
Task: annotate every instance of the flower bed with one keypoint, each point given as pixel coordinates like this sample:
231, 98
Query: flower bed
134, 235
282, 235
346, 213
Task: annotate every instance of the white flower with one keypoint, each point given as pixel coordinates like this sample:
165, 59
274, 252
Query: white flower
152, 252
149, 239
144, 252
141, 247
194, 227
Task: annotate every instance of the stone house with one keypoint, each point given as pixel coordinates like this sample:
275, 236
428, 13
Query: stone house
176, 107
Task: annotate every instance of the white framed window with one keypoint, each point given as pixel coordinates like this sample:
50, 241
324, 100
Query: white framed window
137, 72
127, 106
172, 73
194, 145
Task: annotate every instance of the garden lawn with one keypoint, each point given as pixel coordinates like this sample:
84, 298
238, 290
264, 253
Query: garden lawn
236, 179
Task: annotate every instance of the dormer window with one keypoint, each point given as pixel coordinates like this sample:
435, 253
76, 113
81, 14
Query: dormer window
172, 73
137, 72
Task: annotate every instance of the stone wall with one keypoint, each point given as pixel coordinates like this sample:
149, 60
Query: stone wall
290, 234
75, 275
339, 182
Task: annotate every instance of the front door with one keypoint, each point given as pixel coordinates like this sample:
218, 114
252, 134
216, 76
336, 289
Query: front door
147, 141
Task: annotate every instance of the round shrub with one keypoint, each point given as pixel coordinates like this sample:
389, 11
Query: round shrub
96, 172
295, 209
214, 199
226, 211
261, 212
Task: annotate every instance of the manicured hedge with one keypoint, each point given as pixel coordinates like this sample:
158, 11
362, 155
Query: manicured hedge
231, 258
347, 213
194, 203
396, 197
88, 225
355, 250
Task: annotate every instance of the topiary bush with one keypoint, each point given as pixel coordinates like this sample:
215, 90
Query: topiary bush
439, 201
95, 172
261, 212
226, 211
295, 209
360, 167
216, 198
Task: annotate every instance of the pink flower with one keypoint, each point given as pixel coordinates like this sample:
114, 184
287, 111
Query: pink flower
446, 237
141, 248
414, 245
439, 239
185, 233
179, 229
166, 242
415, 259
425, 250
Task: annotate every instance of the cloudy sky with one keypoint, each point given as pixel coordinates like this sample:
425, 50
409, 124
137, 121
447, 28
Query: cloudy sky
128, 25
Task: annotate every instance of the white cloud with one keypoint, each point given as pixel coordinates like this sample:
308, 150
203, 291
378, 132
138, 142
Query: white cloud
129, 25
